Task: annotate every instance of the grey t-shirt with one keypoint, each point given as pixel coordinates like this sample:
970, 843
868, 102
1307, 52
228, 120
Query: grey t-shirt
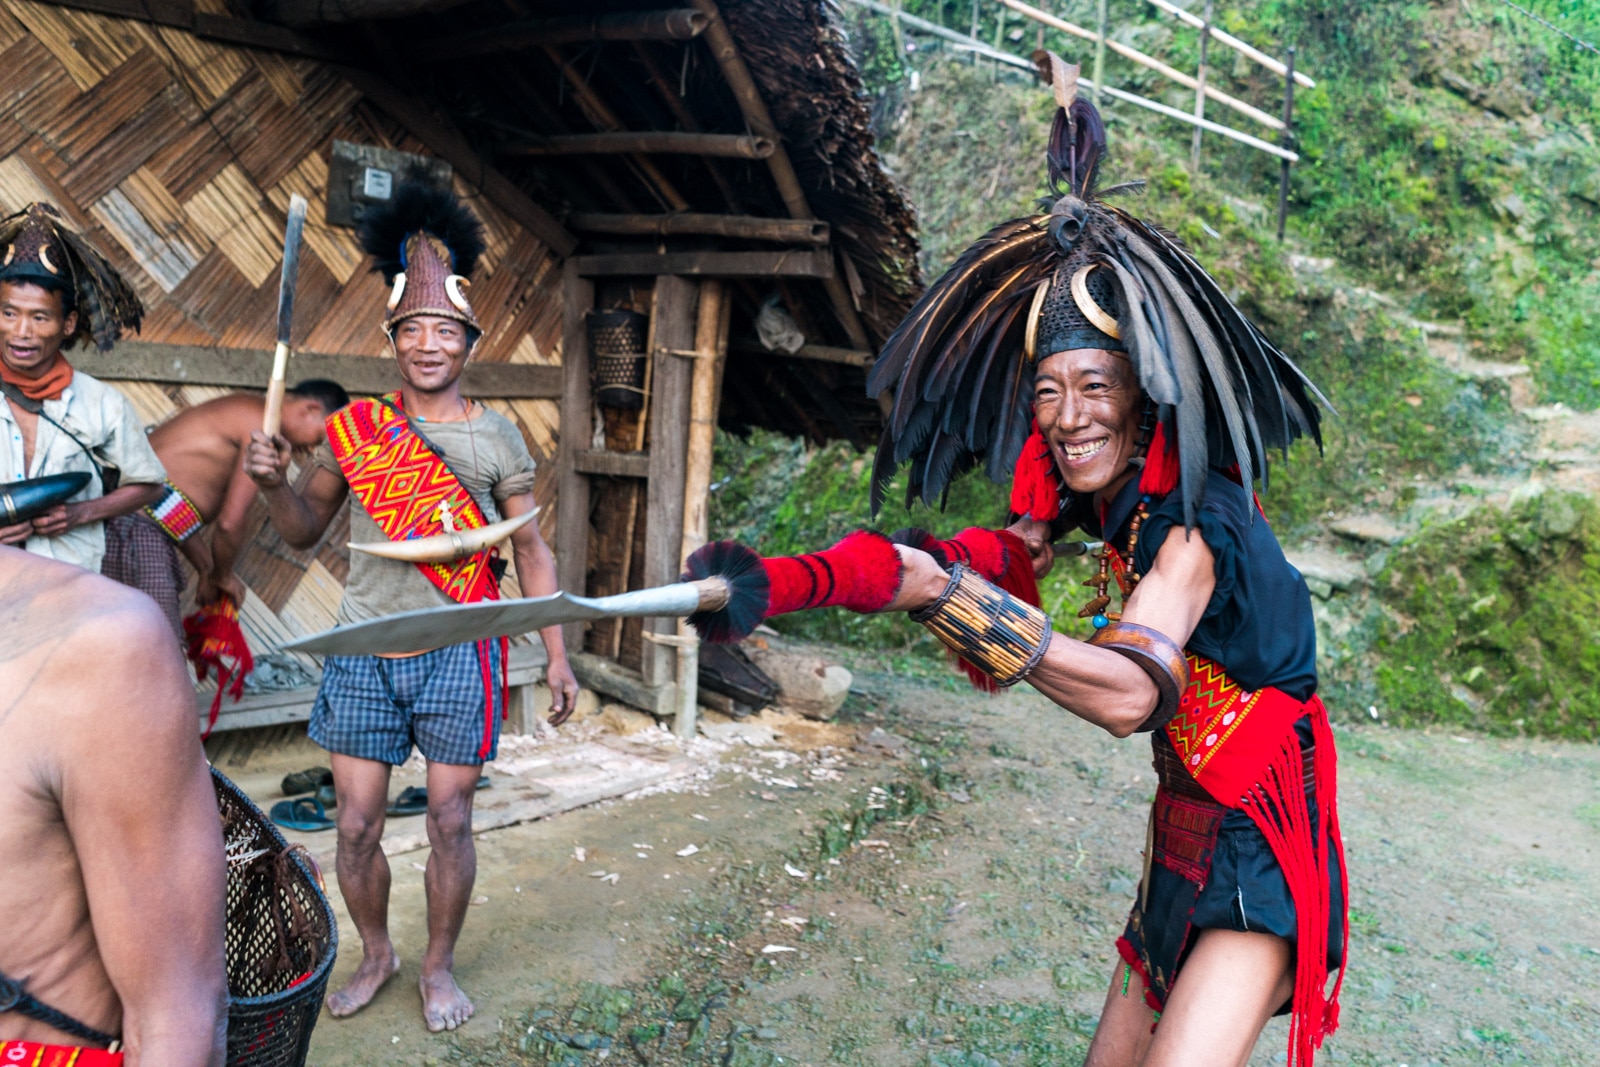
489, 455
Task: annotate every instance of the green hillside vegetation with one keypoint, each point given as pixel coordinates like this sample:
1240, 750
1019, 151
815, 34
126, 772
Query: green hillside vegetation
1449, 175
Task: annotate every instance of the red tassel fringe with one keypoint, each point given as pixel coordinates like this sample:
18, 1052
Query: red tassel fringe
861, 573
1276, 805
1160, 475
214, 641
1036, 486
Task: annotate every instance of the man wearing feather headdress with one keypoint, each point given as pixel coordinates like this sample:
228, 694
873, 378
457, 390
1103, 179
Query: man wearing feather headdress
56, 289
422, 467
1087, 356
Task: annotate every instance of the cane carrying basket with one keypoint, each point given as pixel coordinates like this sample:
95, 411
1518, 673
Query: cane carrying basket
617, 353
282, 937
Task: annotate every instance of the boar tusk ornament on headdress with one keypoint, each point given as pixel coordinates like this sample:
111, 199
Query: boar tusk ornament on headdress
424, 242
1084, 274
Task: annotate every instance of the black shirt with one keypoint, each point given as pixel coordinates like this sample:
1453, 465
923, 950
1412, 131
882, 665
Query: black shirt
1258, 625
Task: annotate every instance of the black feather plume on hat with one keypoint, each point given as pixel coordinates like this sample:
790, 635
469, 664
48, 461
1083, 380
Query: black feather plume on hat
420, 204
962, 385
106, 304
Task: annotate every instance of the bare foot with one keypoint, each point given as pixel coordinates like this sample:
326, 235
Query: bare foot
444, 1005
357, 993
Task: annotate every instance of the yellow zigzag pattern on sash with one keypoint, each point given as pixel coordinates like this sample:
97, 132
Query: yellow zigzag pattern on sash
401, 483
1211, 710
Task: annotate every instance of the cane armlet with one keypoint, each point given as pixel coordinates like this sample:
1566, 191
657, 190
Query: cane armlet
989, 628
1158, 656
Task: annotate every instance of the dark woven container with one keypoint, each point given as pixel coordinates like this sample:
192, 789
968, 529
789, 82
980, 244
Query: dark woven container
617, 357
282, 938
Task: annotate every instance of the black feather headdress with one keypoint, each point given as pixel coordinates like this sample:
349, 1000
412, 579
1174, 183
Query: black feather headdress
42, 248
960, 366
426, 243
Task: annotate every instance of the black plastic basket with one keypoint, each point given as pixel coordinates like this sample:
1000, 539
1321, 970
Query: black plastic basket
616, 351
282, 937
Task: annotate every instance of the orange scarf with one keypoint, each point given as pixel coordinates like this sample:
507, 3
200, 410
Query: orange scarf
47, 386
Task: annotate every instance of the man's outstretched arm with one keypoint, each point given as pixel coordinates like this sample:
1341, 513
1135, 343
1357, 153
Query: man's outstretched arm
149, 845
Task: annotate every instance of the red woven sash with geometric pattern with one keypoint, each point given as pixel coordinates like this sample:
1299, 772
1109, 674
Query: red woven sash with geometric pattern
1242, 748
402, 483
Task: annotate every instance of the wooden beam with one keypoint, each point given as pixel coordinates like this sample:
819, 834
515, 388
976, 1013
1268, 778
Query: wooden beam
314, 12
724, 145
820, 353
577, 415
1274, 65
748, 227
759, 120
612, 464
443, 138
671, 381
677, 25
791, 264
245, 368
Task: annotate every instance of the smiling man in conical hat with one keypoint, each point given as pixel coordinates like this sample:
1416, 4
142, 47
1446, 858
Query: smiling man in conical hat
475, 469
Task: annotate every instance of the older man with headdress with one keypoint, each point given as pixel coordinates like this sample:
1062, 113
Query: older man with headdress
55, 290
1090, 358
428, 473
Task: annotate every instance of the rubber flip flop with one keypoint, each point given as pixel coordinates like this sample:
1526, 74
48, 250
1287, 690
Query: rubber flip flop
303, 814
306, 781
413, 800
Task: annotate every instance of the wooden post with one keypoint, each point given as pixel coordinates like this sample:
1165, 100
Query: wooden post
1200, 89
1099, 50
572, 506
974, 33
709, 344
1288, 142
669, 443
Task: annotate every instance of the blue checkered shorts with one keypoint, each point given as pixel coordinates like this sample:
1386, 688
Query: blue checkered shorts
376, 708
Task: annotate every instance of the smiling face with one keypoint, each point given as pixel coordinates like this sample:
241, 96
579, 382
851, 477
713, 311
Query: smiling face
432, 351
1087, 404
32, 327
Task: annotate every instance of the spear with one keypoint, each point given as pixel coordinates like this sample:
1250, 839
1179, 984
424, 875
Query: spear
272, 420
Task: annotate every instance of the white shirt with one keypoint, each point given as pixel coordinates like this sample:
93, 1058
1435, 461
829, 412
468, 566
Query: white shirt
101, 418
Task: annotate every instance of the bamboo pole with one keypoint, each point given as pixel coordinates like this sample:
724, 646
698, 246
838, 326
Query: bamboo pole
607, 120
1184, 116
1288, 138
634, 502
1100, 48
1239, 46
675, 25
1146, 61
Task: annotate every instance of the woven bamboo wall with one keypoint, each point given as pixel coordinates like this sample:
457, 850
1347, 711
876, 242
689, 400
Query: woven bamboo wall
178, 156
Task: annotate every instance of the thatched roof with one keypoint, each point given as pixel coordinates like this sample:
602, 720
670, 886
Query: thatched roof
532, 85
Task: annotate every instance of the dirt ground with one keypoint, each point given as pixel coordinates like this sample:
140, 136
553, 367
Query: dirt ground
955, 904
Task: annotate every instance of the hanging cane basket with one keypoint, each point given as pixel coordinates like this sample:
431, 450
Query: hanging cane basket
282, 937
617, 355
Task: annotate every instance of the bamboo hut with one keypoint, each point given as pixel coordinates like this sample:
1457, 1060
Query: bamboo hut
708, 168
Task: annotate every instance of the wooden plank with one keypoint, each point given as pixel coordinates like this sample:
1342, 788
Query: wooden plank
678, 25
789, 231
151, 361
671, 386
577, 410
820, 353
799, 263
626, 142
625, 684
181, 14
613, 464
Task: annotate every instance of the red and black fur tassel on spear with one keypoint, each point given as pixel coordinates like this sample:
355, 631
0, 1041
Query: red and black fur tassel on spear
861, 573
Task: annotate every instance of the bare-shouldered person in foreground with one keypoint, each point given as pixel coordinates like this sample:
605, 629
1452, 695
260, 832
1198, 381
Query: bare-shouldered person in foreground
114, 887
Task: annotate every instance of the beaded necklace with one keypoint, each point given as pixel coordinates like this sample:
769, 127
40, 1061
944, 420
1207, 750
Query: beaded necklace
1114, 565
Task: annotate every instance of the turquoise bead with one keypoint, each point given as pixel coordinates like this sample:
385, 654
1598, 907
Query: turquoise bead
1100, 622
